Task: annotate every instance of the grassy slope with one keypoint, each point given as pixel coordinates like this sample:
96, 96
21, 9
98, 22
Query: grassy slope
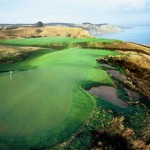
48, 94
45, 41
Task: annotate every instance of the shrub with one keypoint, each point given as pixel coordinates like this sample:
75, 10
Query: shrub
39, 24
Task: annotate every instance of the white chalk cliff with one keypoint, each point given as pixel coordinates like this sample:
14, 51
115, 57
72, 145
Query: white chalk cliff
100, 28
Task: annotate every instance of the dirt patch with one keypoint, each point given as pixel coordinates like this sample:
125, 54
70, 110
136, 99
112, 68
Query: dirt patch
109, 94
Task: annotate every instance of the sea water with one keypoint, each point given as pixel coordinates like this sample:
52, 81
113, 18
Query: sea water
139, 34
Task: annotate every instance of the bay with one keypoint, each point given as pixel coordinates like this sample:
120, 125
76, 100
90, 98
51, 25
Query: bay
139, 34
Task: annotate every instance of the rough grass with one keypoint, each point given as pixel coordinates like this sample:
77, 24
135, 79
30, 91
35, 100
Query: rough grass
48, 41
43, 32
45, 94
10, 54
137, 67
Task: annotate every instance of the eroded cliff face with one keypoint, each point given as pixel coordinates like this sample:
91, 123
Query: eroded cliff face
101, 29
109, 28
27, 32
138, 69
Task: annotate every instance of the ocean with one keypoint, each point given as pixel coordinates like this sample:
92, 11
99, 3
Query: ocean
139, 34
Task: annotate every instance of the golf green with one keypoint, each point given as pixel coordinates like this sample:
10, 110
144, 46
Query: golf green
44, 104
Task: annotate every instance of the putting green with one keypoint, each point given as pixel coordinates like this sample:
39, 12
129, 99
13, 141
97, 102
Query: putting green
43, 105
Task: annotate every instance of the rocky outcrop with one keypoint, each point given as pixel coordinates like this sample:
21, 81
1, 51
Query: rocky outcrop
95, 29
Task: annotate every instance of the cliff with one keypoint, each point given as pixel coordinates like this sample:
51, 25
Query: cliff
95, 29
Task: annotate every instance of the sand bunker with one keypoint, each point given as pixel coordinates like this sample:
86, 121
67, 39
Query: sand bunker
109, 94
133, 94
107, 66
116, 74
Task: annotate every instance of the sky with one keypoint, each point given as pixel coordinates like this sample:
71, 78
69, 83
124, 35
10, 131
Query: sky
118, 12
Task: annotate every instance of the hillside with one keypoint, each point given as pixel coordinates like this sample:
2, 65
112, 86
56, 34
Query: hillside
28, 32
59, 29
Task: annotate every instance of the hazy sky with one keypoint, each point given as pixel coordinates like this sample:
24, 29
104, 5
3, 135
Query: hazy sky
128, 12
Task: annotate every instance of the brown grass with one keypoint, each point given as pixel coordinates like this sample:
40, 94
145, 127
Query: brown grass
136, 64
9, 54
116, 127
26, 32
124, 47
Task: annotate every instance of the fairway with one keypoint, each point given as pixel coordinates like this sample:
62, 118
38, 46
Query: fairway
47, 41
44, 104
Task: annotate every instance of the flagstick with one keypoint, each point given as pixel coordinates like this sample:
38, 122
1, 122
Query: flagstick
10, 73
